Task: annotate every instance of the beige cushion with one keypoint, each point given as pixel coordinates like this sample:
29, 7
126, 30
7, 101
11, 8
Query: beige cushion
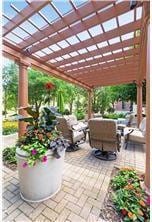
137, 136
79, 126
142, 125
77, 136
72, 120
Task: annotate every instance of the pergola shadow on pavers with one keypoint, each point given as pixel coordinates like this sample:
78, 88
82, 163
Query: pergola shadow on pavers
85, 183
89, 43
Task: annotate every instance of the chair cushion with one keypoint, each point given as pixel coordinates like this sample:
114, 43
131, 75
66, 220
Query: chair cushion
142, 125
77, 136
79, 126
137, 136
73, 120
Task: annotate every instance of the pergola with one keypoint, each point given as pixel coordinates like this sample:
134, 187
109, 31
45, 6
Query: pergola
88, 43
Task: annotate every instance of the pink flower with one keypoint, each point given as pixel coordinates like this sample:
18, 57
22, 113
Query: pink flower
34, 152
24, 164
148, 200
44, 158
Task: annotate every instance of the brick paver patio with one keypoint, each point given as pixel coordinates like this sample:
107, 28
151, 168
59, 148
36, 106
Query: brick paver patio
85, 182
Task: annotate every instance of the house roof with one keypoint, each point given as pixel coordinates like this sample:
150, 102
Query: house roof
89, 43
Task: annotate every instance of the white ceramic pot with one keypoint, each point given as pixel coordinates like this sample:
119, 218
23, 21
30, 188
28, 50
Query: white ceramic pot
41, 181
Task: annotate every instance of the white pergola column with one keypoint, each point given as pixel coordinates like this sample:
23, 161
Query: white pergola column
22, 95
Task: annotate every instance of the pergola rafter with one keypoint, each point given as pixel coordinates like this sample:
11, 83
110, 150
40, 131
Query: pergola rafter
92, 53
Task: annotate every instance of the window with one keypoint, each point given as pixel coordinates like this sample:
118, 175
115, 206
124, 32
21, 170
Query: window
96, 30
110, 24
127, 36
92, 48
72, 40
114, 40
54, 47
49, 13
63, 44
102, 44
38, 21
83, 35
63, 6
126, 18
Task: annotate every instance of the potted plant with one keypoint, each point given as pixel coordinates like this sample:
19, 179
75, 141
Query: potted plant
40, 155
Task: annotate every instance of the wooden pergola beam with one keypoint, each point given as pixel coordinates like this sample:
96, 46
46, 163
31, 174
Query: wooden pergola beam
24, 15
103, 59
97, 39
75, 29
69, 19
101, 51
99, 68
15, 54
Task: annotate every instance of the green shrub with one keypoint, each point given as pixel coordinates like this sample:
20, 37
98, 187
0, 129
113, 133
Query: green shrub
114, 115
80, 115
9, 127
9, 155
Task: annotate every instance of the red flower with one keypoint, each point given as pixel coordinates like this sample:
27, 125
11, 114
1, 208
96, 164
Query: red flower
49, 86
124, 212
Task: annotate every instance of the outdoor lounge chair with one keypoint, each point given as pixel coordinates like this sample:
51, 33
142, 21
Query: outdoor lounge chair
103, 136
135, 135
73, 135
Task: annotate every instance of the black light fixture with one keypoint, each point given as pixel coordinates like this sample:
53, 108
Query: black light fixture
133, 4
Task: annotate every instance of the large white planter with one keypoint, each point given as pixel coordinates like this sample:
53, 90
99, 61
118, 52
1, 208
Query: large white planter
41, 181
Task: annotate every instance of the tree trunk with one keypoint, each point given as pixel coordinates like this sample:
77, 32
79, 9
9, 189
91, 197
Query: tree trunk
71, 107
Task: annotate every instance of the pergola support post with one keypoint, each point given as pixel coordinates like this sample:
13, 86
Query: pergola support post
147, 164
139, 103
22, 95
89, 104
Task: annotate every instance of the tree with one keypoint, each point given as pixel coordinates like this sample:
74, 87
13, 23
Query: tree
101, 100
37, 88
10, 86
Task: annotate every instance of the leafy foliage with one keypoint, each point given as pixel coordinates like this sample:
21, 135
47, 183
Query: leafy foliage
10, 86
40, 134
9, 155
129, 198
114, 115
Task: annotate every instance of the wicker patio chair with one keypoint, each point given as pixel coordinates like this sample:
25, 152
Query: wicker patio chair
103, 136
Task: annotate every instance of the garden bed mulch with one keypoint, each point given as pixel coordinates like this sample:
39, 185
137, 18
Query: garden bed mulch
108, 211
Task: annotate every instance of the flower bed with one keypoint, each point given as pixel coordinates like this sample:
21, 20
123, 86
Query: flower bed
126, 200
9, 127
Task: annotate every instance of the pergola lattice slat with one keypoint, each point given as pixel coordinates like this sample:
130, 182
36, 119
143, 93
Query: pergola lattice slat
84, 67
75, 29
24, 15
97, 39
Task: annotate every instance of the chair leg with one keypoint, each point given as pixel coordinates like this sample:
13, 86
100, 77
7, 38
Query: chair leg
126, 145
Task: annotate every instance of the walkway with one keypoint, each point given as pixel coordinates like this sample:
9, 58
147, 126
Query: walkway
85, 182
9, 140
